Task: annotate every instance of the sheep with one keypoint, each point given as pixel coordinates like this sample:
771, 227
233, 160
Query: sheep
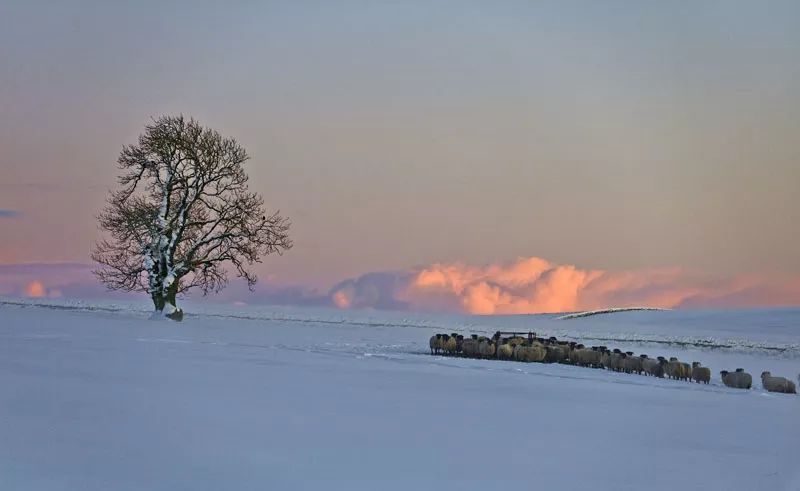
516, 341
450, 344
565, 348
470, 346
654, 367
673, 368
632, 363
435, 344
577, 355
593, 357
613, 360
555, 353
678, 370
517, 352
459, 343
738, 379
505, 350
486, 348
700, 374
605, 358
588, 357
571, 346
536, 353
686, 372
532, 353
777, 384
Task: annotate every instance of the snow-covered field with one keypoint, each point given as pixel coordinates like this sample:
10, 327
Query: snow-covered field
96, 397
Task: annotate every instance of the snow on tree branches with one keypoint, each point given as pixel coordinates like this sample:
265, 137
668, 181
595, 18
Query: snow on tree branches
183, 212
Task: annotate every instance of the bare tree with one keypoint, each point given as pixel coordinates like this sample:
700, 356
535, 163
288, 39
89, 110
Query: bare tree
182, 213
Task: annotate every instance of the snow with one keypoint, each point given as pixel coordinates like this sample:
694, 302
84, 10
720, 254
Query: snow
612, 310
97, 397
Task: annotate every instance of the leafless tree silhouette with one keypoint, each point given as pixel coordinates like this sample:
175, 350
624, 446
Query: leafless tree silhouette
182, 214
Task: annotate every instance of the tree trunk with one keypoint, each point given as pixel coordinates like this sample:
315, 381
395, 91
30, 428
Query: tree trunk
165, 304
175, 313
158, 301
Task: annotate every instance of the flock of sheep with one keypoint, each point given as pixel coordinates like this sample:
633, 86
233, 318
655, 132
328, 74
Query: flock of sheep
535, 349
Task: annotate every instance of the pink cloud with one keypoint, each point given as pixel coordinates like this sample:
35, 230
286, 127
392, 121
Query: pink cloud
35, 289
535, 285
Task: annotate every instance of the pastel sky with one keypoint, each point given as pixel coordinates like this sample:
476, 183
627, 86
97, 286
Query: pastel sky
488, 157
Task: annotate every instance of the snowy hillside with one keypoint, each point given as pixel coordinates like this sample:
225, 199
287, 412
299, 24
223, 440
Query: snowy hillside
95, 396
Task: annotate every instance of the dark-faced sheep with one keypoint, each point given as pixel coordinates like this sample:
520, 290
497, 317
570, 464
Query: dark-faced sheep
555, 353
449, 344
533, 353
737, 380
678, 370
654, 367
486, 348
700, 373
777, 384
435, 344
516, 341
633, 364
470, 347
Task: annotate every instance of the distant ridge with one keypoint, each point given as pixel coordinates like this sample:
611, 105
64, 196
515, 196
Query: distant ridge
605, 311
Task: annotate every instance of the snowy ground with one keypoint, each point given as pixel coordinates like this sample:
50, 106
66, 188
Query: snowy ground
101, 399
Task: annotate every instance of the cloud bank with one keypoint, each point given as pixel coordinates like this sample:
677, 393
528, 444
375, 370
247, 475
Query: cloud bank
53, 280
525, 286
535, 285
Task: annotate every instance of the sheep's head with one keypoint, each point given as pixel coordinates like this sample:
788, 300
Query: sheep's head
695, 364
765, 374
723, 373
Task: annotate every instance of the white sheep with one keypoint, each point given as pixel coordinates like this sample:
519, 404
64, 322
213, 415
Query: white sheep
686, 371
633, 364
678, 370
737, 380
486, 348
450, 344
555, 353
654, 367
435, 344
532, 353
700, 373
470, 346
777, 384
505, 350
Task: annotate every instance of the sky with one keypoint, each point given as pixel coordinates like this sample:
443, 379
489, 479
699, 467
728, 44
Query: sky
593, 152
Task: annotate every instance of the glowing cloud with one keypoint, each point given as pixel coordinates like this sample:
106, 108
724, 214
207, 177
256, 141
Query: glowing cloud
35, 289
535, 285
